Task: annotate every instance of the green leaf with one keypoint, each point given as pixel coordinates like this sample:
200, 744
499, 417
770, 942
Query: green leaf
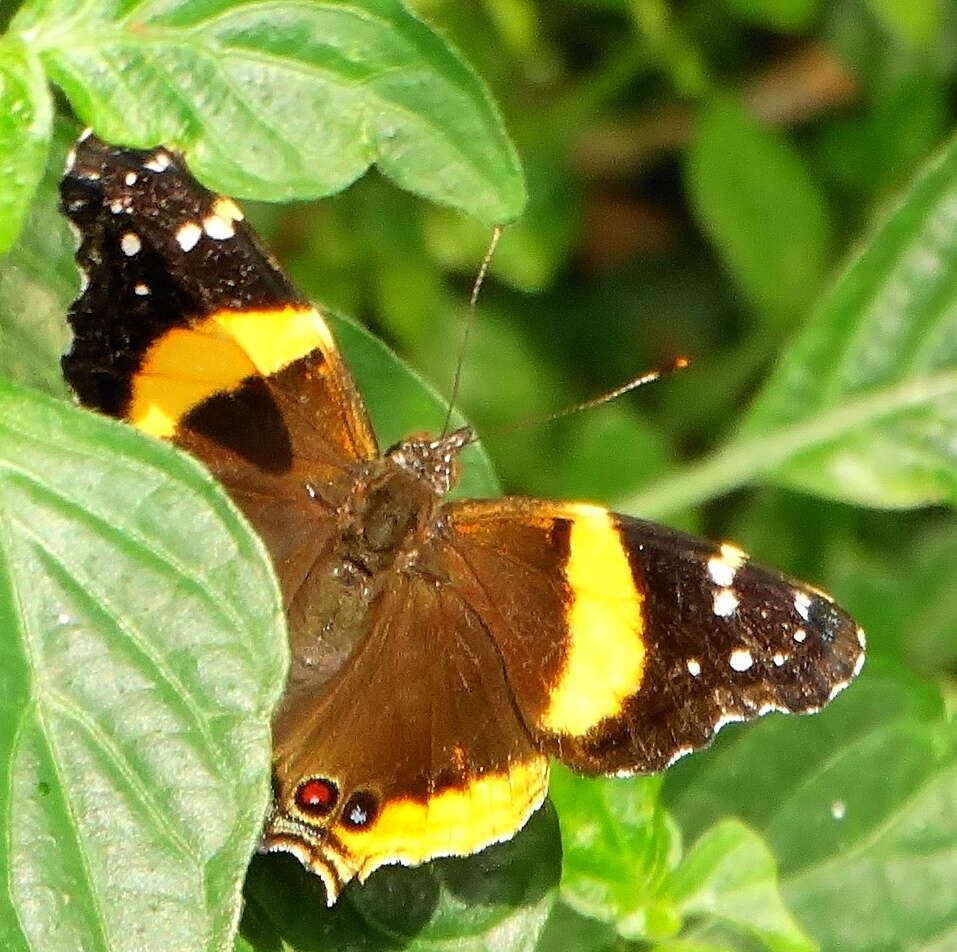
618, 845
140, 667
874, 371
278, 99
785, 15
26, 118
38, 279
863, 406
730, 874
495, 901
916, 22
762, 209
856, 804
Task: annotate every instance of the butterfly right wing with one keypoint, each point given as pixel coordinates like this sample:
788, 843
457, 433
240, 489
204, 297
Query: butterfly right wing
187, 329
627, 644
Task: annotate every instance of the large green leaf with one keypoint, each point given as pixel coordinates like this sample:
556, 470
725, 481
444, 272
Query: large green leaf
26, 115
142, 654
863, 406
281, 100
856, 805
762, 209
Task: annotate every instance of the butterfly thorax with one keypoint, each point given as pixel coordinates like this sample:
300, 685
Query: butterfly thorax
386, 529
390, 512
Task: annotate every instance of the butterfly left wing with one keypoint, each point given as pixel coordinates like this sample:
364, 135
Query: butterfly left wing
627, 644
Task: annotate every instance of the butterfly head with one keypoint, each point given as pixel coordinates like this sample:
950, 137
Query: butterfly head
433, 459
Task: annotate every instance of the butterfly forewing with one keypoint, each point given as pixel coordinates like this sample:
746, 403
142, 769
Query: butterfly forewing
189, 330
629, 644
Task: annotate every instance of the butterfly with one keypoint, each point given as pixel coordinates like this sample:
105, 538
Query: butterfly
441, 651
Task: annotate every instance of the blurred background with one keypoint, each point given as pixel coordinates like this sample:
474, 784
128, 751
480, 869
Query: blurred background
698, 172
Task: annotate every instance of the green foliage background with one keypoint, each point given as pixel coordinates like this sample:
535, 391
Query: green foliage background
767, 186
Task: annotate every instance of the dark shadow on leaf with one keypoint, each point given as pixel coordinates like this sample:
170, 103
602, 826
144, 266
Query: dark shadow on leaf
440, 902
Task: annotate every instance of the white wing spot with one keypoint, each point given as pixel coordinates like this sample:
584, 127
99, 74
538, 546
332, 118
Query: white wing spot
721, 573
741, 659
141, 289
157, 162
218, 228
779, 659
131, 244
858, 665
862, 639
694, 667
802, 603
228, 209
799, 635
131, 178
723, 567
188, 235
725, 602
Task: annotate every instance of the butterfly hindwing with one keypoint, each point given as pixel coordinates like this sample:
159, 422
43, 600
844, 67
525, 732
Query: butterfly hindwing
417, 742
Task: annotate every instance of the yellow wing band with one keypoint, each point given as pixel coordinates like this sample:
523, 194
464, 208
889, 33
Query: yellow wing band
605, 656
187, 365
455, 822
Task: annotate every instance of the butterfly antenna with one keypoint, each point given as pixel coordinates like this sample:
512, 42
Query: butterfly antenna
679, 363
469, 321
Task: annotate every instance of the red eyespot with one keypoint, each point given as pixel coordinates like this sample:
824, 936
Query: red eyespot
317, 797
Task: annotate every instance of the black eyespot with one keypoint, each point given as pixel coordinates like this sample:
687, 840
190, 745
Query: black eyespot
317, 797
360, 810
